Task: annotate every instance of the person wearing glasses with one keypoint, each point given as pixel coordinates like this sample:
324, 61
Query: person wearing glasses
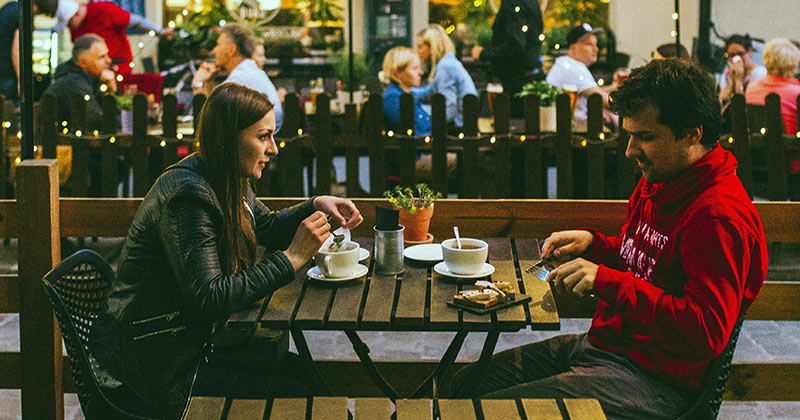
741, 70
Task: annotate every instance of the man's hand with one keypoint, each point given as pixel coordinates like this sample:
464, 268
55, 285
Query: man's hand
204, 73
343, 210
576, 276
567, 243
476, 52
310, 235
108, 78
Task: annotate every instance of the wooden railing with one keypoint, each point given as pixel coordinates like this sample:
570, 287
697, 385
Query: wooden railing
39, 217
499, 164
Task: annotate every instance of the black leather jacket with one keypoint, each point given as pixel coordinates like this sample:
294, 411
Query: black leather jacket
170, 290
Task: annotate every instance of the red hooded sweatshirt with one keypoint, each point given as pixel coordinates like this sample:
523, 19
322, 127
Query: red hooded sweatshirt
691, 256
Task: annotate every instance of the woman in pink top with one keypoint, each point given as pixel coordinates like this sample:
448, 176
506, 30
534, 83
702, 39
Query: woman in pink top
781, 57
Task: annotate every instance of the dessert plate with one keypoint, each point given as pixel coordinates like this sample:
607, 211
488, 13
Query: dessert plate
442, 269
315, 274
424, 252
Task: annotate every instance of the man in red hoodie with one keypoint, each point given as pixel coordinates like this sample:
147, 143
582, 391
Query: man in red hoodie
689, 261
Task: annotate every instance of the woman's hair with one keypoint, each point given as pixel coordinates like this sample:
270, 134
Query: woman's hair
396, 60
781, 57
743, 40
436, 38
230, 109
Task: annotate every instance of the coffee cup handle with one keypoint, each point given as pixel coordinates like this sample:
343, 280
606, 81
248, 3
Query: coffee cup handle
326, 264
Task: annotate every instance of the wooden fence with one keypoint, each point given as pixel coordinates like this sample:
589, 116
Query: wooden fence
500, 164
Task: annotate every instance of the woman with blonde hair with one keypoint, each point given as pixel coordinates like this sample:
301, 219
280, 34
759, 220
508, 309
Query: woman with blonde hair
781, 57
447, 75
402, 72
201, 247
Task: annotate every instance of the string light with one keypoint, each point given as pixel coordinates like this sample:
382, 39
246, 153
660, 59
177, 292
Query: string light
78, 133
223, 22
492, 140
299, 131
65, 130
152, 33
17, 160
95, 132
7, 124
103, 88
171, 24
730, 139
19, 134
522, 138
541, 37
557, 46
141, 44
672, 34
516, 9
119, 77
283, 144
583, 143
410, 132
197, 144
461, 136
163, 143
602, 136
64, 123
185, 12
131, 64
798, 134
524, 28
179, 136
601, 82
675, 16
86, 98
390, 133
763, 130
35, 148
427, 139
112, 139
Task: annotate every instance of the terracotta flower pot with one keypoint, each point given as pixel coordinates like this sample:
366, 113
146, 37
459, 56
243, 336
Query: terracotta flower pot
416, 224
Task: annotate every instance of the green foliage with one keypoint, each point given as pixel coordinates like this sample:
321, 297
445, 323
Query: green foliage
478, 15
124, 102
412, 199
557, 35
341, 66
546, 92
574, 12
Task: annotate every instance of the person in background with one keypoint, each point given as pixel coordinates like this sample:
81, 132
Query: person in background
688, 263
88, 75
190, 259
447, 75
571, 72
258, 54
110, 22
9, 43
235, 45
781, 58
514, 52
402, 71
741, 70
668, 50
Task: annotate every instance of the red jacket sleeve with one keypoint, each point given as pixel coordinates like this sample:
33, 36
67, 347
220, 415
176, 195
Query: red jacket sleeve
717, 279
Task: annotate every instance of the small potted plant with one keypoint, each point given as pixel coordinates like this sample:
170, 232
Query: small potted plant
416, 209
547, 94
341, 67
125, 107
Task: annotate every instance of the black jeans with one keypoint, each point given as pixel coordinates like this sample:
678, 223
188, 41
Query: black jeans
569, 366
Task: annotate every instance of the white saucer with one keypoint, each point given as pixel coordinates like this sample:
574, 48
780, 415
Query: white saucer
442, 269
424, 252
363, 254
315, 274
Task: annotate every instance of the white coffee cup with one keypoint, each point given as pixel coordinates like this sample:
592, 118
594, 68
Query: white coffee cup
336, 262
468, 259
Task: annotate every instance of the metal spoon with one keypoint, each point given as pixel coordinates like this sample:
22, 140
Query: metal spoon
458, 238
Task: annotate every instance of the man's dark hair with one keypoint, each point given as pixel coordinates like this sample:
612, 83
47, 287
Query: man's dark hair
683, 94
743, 40
83, 44
669, 51
46, 7
242, 36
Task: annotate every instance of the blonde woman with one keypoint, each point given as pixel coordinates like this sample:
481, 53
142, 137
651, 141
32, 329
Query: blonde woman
781, 57
402, 71
447, 76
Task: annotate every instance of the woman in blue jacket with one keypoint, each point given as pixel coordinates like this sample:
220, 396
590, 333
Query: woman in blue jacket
402, 71
447, 75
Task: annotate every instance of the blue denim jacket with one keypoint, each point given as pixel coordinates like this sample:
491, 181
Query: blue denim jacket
391, 110
452, 81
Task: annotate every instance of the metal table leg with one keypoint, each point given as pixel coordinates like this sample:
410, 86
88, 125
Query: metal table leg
321, 387
444, 365
362, 350
483, 362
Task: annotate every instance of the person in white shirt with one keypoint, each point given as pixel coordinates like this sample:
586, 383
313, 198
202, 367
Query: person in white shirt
571, 72
741, 70
235, 46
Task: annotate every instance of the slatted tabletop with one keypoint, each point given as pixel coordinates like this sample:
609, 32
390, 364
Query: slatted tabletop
415, 300
336, 408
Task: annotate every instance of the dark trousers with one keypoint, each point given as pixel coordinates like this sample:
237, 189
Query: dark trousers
569, 366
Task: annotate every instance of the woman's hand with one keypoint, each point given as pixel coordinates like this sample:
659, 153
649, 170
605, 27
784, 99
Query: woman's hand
567, 243
308, 238
341, 209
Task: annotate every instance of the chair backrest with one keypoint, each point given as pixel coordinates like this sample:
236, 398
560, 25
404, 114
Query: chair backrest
756, 117
708, 403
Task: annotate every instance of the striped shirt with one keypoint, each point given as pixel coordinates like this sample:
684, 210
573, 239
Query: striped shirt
249, 75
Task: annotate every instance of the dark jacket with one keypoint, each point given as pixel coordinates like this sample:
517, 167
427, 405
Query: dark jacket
71, 80
170, 290
514, 53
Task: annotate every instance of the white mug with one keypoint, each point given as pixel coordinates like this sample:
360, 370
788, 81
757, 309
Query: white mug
336, 262
469, 259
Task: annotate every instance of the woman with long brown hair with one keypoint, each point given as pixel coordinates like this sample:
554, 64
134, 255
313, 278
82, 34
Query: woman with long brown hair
190, 257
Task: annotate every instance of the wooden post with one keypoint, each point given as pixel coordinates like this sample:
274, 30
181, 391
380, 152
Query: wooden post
563, 147
534, 177
776, 150
377, 145
323, 150
169, 125
141, 167
290, 159
741, 143
595, 168
471, 169
109, 150
502, 147
79, 179
39, 251
439, 137
4, 111
350, 131
408, 150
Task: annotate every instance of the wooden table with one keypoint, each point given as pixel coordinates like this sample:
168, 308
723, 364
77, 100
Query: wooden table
415, 300
324, 408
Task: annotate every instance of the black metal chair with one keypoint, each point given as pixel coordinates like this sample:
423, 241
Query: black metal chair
708, 403
77, 289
